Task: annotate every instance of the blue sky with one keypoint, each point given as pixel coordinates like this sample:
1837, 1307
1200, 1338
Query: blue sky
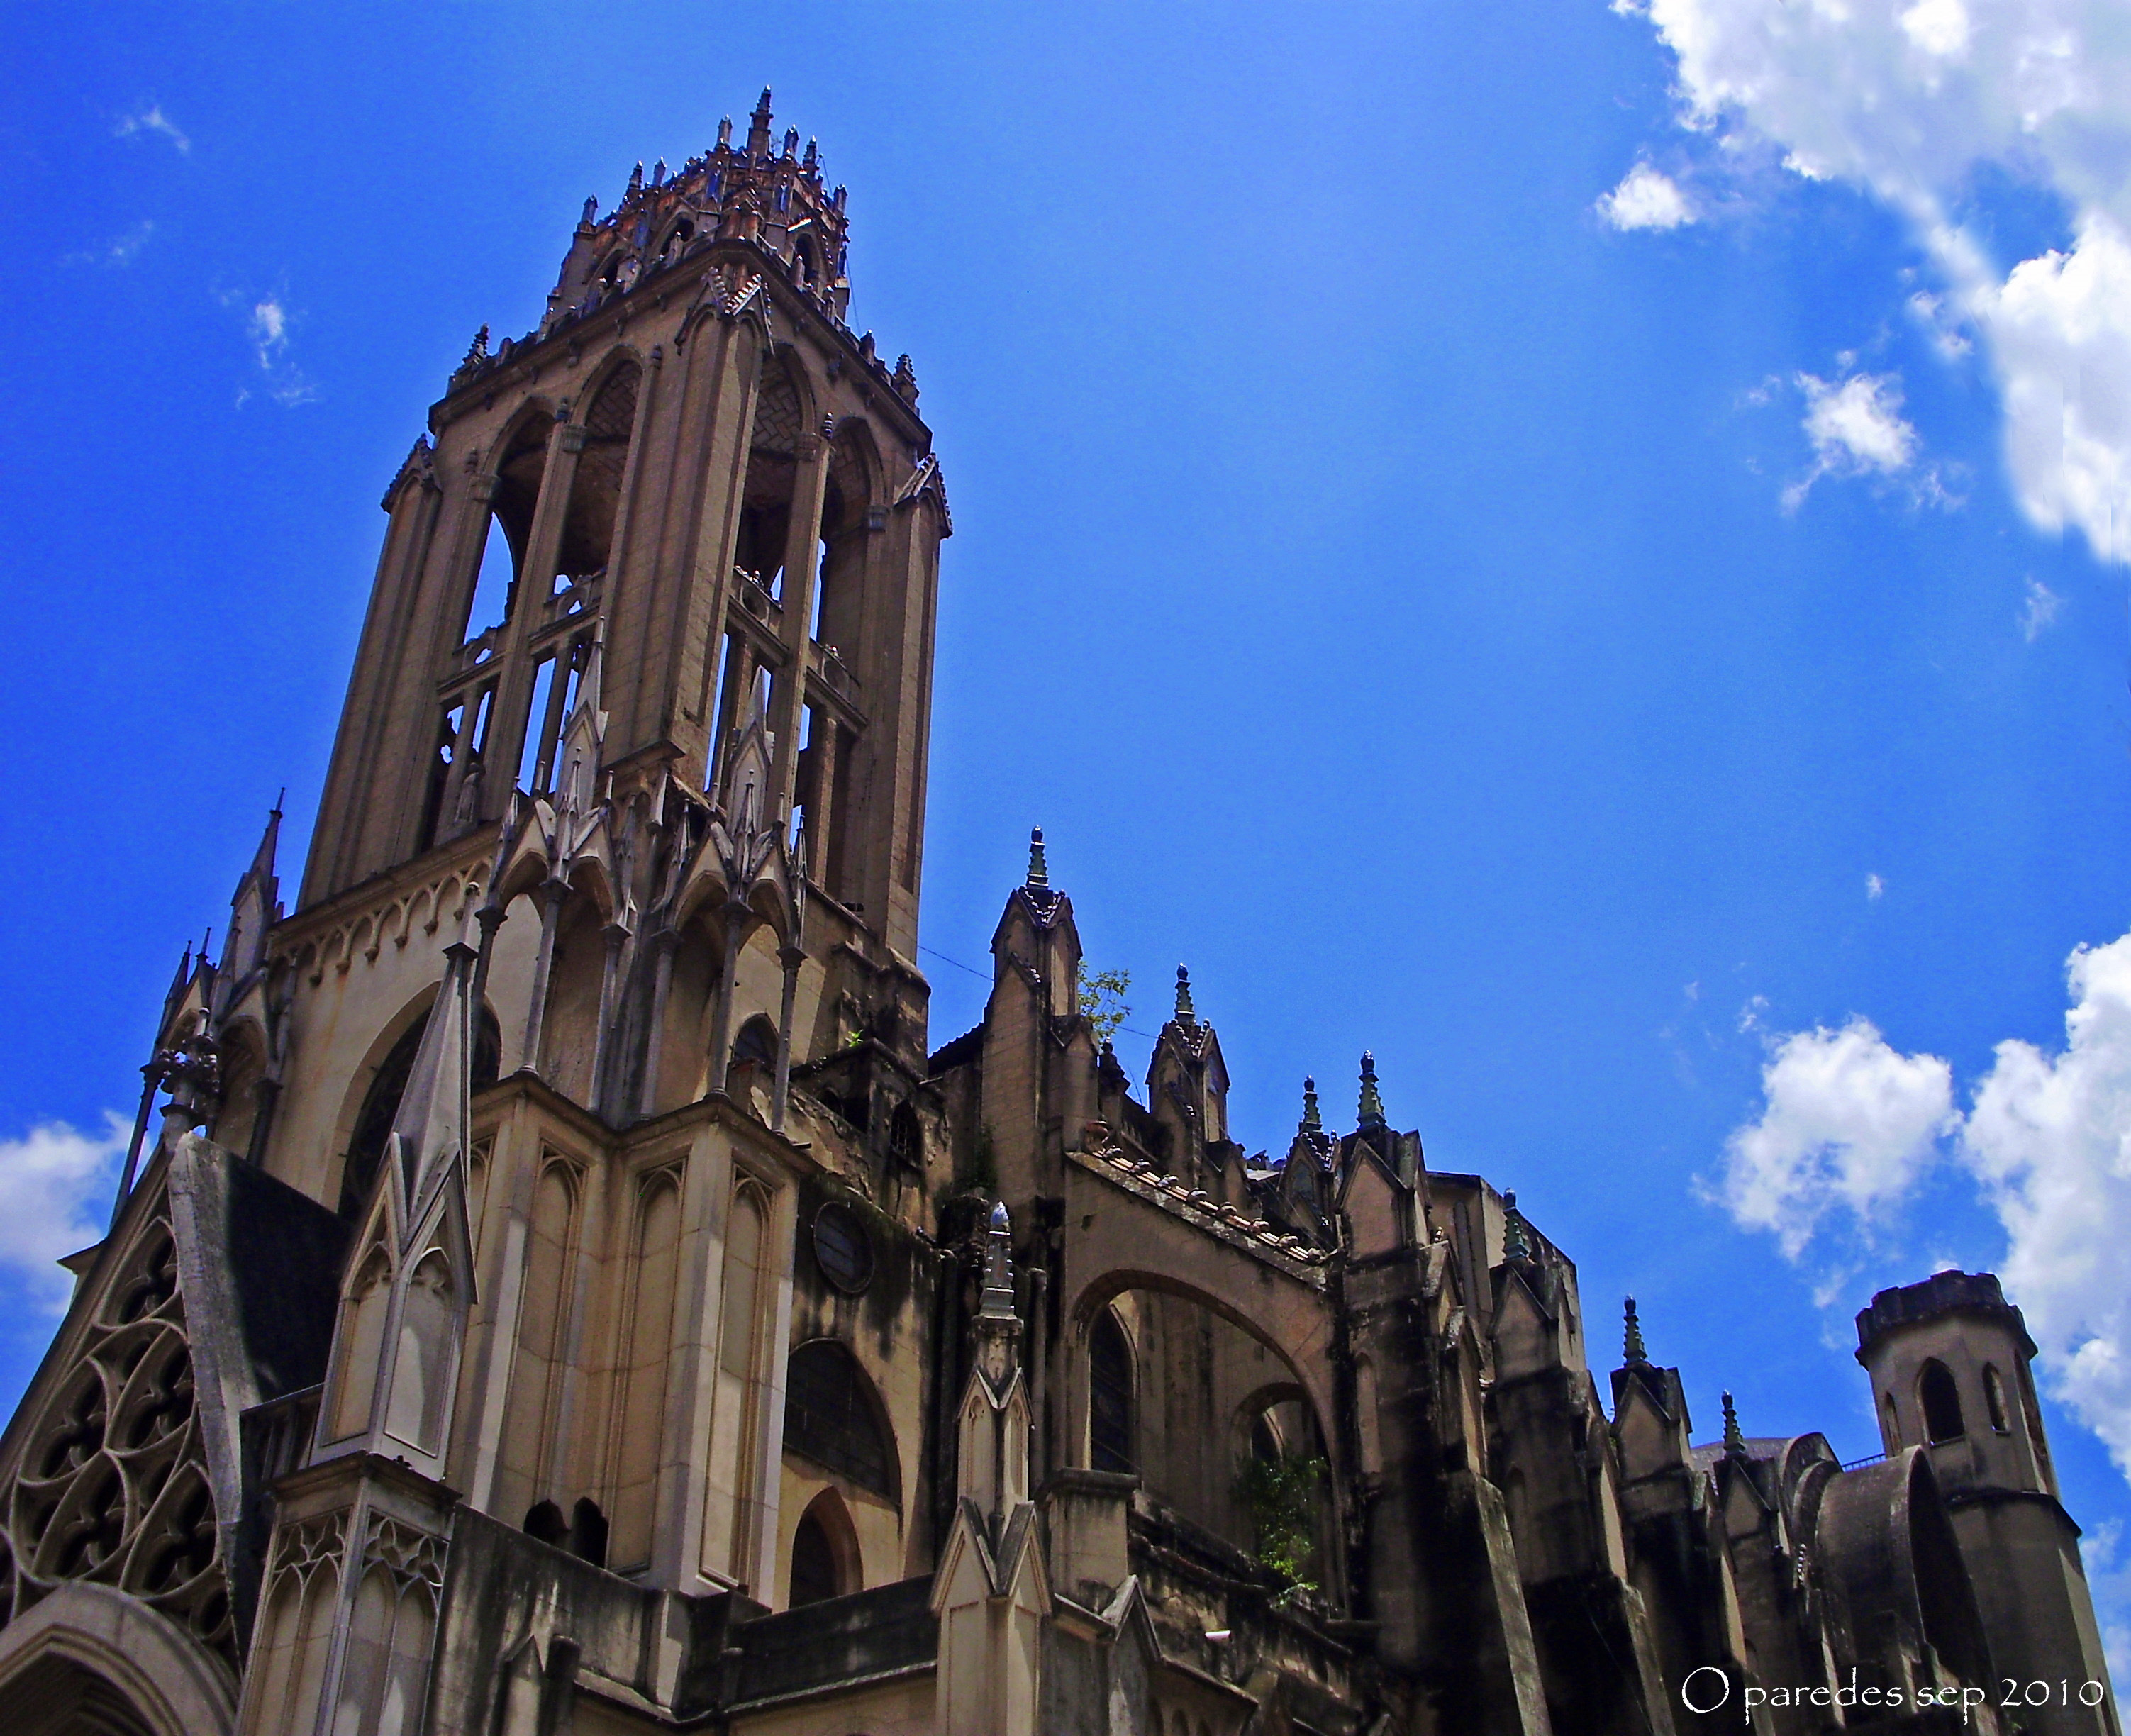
1577, 549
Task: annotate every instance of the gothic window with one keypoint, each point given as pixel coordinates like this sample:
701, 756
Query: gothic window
588, 1530
588, 542
544, 1525
517, 478
488, 604
842, 1249
555, 681
756, 1044
1893, 1422
773, 464
1941, 1403
833, 1417
111, 1486
1109, 1396
381, 1106
1994, 1399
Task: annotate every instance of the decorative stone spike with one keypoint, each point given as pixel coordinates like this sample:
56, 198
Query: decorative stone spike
1039, 872
477, 351
1186, 1016
1735, 1441
1632, 1351
998, 1303
791, 143
1516, 1233
1312, 1121
658, 173
724, 133
812, 160
635, 182
1373, 1102
592, 211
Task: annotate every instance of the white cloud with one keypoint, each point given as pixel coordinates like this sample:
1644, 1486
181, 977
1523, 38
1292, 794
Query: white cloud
269, 327
119, 251
55, 1189
1856, 428
152, 123
2050, 1139
2040, 608
1850, 1126
1645, 199
1907, 100
1875, 888
1847, 1125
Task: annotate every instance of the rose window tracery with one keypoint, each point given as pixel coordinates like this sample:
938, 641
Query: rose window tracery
112, 1485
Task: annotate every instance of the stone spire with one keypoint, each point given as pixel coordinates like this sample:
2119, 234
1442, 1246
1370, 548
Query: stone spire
1632, 1351
1735, 1441
1372, 1112
1516, 1234
1039, 871
758, 127
1312, 1121
1184, 1014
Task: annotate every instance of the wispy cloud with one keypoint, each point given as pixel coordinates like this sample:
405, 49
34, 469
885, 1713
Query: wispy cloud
151, 123
1646, 198
120, 250
1875, 888
270, 328
1857, 427
2039, 610
55, 1187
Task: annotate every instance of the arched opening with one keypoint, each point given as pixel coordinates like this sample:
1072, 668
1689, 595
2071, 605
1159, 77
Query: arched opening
588, 540
381, 1106
1994, 1399
825, 1554
1941, 1402
1109, 1395
756, 1044
544, 1525
833, 1417
588, 1532
772, 469
1280, 1485
1891, 1420
492, 594
243, 1071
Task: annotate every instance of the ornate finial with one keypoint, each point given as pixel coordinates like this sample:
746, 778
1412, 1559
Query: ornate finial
791, 143
1734, 1442
592, 211
812, 160
1312, 1121
477, 351
1516, 1233
1632, 1351
724, 133
1039, 872
905, 381
998, 1304
762, 105
1372, 1102
1186, 1016
658, 173
635, 182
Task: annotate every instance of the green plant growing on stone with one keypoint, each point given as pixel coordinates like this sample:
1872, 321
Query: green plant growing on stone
1102, 1001
1279, 1495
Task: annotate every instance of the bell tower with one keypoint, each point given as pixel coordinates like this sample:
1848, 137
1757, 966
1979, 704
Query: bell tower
695, 476
1949, 1362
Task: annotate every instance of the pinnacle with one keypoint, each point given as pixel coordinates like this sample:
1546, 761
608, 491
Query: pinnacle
1632, 1351
1371, 1111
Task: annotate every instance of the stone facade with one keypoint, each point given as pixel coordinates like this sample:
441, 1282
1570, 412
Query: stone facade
566, 1293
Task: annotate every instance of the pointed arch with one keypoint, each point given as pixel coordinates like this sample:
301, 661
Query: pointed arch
1112, 1390
381, 1080
824, 1561
782, 414
608, 416
640, 1416
123, 1667
834, 1416
1939, 1399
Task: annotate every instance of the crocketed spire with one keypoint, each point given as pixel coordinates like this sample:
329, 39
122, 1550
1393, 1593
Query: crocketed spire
1632, 1351
1184, 1014
1373, 1102
1734, 1442
1039, 871
1312, 1121
1516, 1234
